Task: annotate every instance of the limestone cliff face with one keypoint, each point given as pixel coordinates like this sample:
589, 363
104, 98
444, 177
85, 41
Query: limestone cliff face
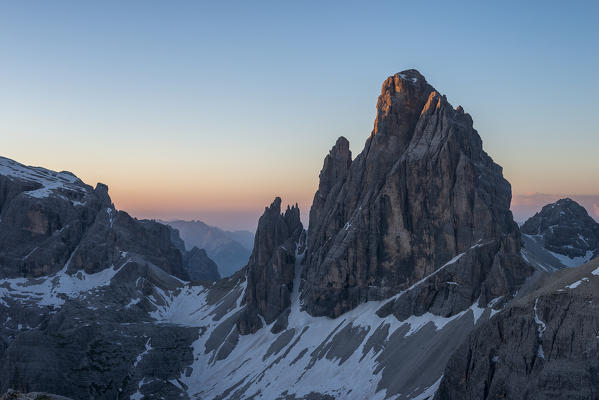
543, 346
50, 221
420, 193
333, 174
271, 268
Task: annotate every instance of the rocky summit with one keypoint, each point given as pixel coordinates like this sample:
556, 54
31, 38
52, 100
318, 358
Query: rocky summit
420, 193
411, 282
271, 269
561, 235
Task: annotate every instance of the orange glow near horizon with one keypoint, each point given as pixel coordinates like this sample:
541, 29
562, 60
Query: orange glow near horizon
232, 194
224, 197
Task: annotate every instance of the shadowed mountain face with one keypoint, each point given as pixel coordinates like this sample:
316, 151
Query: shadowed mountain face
544, 346
79, 283
561, 235
271, 269
421, 192
230, 250
415, 232
199, 266
196, 262
52, 221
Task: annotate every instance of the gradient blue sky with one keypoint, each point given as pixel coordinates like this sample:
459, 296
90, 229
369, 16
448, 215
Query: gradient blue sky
209, 110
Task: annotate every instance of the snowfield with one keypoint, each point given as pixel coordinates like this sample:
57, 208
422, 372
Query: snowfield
55, 289
344, 357
357, 355
50, 181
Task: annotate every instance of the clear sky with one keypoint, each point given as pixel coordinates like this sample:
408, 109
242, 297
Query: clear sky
207, 110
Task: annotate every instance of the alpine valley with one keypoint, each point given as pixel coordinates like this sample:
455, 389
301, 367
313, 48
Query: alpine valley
411, 281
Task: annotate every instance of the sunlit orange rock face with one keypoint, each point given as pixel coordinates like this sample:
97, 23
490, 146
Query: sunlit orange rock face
421, 192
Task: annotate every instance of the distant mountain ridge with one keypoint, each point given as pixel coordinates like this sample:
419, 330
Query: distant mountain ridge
561, 235
230, 250
196, 262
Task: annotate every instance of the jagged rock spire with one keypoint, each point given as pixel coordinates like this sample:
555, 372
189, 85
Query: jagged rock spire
271, 268
421, 192
333, 174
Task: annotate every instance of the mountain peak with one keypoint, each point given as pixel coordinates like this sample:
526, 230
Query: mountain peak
566, 202
411, 75
421, 192
341, 145
402, 97
271, 268
275, 206
565, 228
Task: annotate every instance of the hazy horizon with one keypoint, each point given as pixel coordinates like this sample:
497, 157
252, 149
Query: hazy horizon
523, 207
197, 112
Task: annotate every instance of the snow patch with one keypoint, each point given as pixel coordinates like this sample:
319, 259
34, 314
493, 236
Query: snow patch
405, 77
430, 391
354, 376
143, 353
540, 329
188, 306
30, 253
55, 289
133, 302
49, 180
110, 213
572, 262
577, 283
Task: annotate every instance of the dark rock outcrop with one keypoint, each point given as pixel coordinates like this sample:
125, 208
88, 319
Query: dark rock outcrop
565, 228
115, 232
98, 343
271, 269
334, 171
199, 266
196, 262
420, 193
43, 217
50, 221
544, 346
